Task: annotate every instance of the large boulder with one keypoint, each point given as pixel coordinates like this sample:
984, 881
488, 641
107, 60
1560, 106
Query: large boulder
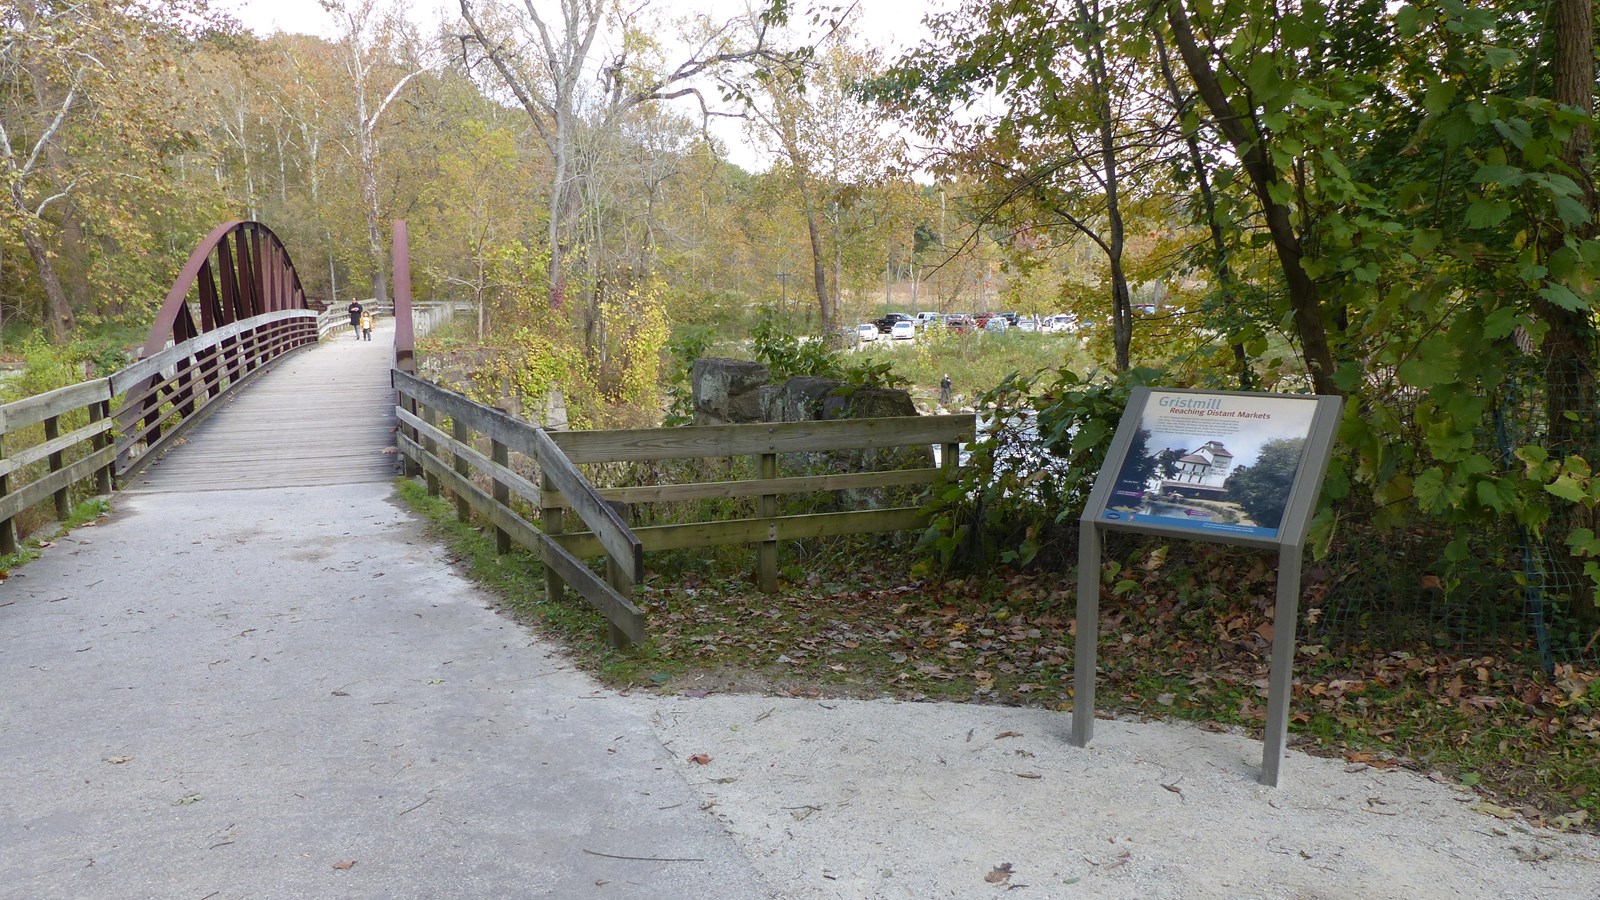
728, 391
868, 403
800, 399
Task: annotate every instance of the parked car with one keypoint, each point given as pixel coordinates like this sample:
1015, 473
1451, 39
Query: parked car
996, 323
961, 324
926, 318
903, 331
888, 320
1060, 322
1028, 323
866, 331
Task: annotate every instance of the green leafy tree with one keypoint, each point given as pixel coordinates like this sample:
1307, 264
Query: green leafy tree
1263, 489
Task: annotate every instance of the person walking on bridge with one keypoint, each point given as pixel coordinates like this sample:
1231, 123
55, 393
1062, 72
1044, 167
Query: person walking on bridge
355, 311
366, 325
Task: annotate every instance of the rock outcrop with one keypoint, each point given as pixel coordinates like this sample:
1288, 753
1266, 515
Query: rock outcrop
728, 391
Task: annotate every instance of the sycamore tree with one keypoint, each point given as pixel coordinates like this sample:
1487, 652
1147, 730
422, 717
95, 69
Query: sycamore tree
87, 119
566, 78
834, 153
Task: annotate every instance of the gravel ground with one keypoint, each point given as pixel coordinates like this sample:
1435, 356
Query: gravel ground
857, 799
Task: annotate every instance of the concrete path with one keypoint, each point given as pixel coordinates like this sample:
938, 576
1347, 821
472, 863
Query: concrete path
289, 693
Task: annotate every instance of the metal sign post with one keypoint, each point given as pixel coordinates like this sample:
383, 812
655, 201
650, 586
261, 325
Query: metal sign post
1222, 466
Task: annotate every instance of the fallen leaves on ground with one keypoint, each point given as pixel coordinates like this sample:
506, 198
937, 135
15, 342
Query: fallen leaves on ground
1190, 639
1000, 874
345, 865
700, 759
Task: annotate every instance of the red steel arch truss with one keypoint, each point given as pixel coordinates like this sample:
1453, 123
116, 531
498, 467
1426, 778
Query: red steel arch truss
236, 305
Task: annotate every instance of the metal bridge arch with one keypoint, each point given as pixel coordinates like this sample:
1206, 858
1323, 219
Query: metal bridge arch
241, 270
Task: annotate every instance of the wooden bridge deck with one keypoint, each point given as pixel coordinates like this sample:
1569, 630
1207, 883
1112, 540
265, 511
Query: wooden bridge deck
322, 416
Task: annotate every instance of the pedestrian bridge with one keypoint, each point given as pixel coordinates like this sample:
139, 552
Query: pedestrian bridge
259, 678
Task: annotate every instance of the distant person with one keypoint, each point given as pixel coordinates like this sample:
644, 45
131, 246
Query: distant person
366, 325
944, 390
355, 310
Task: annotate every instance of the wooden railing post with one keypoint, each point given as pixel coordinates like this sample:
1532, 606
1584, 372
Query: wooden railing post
950, 459
550, 523
458, 430
431, 447
8, 526
767, 507
622, 583
63, 497
501, 456
413, 467
102, 475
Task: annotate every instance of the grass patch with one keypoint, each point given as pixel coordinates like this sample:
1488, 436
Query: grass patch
975, 362
1191, 642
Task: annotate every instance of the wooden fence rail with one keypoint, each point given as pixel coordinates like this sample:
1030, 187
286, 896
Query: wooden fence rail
765, 442
450, 458
128, 415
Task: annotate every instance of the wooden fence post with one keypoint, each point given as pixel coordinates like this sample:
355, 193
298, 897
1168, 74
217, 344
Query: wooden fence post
8, 528
431, 447
767, 507
63, 497
413, 466
500, 456
950, 459
550, 523
458, 430
102, 475
621, 582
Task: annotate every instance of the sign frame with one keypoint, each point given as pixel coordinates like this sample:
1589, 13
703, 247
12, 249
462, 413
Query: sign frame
1288, 539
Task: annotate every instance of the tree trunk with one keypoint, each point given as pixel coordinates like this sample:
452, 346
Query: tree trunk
1252, 146
1220, 268
58, 312
1569, 346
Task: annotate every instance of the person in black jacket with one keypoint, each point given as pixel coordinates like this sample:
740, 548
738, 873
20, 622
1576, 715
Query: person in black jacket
355, 317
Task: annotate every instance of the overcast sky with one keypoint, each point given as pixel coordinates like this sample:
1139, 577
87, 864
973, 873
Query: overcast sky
891, 25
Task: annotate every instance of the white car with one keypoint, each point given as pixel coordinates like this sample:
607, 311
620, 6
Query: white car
903, 331
866, 331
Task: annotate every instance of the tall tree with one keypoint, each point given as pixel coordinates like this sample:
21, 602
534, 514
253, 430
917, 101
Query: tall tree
369, 39
546, 65
1240, 120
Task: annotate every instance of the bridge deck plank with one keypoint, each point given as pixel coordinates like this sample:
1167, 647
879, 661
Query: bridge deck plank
323, 416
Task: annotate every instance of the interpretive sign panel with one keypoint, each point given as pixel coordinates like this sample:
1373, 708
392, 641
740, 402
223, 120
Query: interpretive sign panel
1218, 463
1223, 466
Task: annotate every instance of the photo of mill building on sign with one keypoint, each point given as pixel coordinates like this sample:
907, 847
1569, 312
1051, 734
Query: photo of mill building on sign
1217, 463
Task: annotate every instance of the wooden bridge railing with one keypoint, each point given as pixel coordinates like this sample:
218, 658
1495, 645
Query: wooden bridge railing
116, 423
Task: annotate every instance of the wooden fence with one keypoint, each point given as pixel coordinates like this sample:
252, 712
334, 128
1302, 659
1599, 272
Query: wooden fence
765, 442
117, 422
421, 406
452, 459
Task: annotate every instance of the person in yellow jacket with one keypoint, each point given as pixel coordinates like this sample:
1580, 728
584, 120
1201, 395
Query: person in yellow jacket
366, 325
